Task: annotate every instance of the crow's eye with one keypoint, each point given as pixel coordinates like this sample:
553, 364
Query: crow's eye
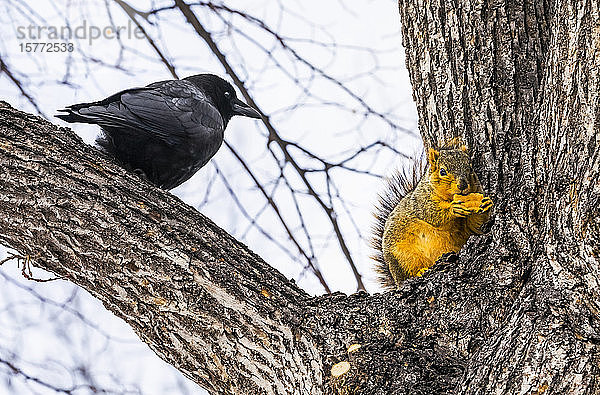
443, 172
228, 94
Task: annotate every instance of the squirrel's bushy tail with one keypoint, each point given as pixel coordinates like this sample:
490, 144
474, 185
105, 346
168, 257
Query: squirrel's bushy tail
399, 184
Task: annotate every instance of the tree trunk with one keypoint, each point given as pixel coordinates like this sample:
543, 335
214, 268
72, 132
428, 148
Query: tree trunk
517, 314
519, 81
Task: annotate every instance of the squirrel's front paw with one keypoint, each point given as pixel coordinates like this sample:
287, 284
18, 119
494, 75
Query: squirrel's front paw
460, 209
464, 205
486, 204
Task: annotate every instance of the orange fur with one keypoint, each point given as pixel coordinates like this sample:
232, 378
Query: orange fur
423, 244
438, 216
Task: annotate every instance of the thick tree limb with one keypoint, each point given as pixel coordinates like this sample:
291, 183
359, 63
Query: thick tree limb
202, 300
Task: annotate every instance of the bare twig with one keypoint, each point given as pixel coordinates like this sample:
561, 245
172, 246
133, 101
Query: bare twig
4, 69
131, 12
273, 134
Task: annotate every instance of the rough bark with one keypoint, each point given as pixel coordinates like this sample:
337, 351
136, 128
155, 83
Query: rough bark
519, 82
518, 313
199, 298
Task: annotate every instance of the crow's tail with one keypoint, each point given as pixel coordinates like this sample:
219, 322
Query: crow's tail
71, 116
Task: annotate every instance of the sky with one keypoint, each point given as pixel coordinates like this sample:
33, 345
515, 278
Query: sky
340, 58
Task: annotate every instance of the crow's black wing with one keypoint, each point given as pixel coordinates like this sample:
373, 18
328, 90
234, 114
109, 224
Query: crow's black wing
172, 111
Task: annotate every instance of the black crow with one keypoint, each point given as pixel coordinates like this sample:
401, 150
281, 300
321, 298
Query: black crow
167, 130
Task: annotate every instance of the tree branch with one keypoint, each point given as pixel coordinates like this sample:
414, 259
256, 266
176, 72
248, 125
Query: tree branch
199, 298
273, 134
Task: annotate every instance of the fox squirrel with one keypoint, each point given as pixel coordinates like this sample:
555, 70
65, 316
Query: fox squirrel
427, 213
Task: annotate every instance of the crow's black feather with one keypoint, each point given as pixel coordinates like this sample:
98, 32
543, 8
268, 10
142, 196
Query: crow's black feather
168, 130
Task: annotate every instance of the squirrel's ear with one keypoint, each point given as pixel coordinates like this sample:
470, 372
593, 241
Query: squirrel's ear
432, 157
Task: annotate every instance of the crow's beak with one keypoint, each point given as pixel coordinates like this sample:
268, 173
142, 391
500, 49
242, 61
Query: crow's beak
241, 108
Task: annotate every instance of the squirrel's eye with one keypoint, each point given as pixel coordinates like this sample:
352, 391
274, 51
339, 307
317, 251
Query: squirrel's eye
443, 172
227, 94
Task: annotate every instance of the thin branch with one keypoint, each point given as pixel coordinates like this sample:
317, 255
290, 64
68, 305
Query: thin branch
272, 203
4, 69
128, 10
273, 135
